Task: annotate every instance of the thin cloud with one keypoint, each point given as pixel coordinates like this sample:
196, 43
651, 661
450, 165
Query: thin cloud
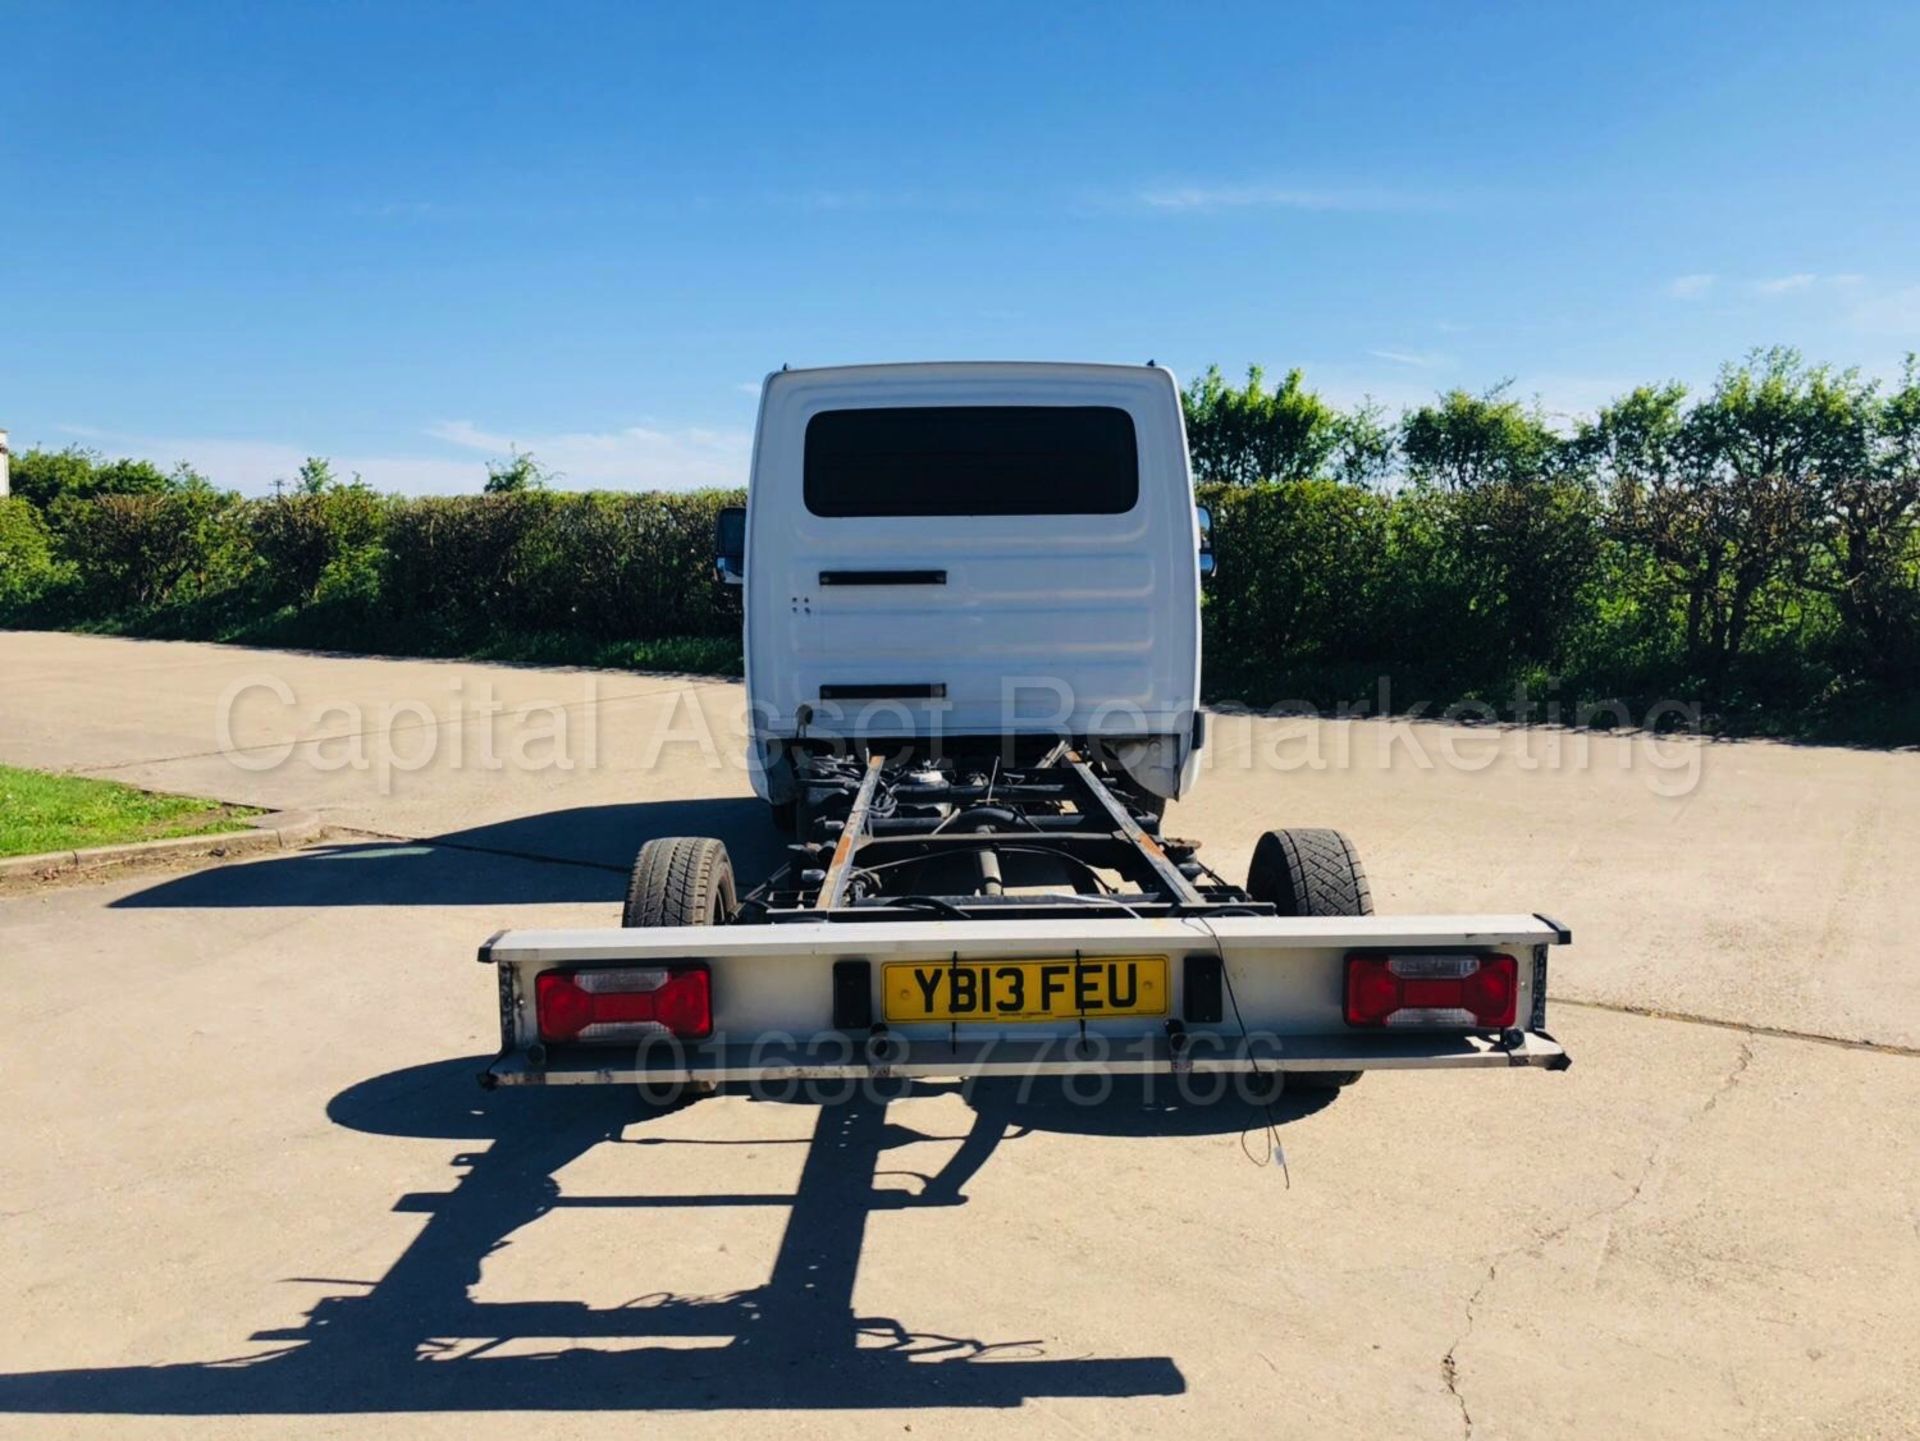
403, 210
1806, 280
1695, 287
1202, 198
865, 202
1691, 287
1418, 359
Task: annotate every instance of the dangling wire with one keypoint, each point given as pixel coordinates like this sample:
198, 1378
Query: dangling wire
1278, 1155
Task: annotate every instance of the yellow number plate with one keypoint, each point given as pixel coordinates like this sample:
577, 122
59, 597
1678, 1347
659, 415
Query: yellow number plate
1096, 987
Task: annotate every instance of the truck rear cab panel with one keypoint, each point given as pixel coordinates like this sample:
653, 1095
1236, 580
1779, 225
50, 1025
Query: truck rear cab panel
997, 618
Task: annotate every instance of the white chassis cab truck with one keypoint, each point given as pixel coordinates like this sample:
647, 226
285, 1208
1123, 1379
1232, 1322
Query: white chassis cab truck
972, 632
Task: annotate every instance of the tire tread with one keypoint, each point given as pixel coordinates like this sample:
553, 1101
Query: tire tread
1310, 872
679, 881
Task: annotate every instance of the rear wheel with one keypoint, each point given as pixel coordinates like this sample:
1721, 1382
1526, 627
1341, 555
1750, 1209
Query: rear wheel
680, 881
1311, 873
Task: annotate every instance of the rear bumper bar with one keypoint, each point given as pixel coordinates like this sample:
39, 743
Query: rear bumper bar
778, 1012
831, 1059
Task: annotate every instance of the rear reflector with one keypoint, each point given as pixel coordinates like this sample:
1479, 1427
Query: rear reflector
1437, 989
625, 1003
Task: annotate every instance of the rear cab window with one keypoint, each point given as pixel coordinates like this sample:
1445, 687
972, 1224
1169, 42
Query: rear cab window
972, 460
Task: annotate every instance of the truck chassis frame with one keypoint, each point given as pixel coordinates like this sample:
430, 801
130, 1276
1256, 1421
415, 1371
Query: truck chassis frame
1060, 811
1002, 858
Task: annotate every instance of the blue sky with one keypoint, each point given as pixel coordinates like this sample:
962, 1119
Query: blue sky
407, 235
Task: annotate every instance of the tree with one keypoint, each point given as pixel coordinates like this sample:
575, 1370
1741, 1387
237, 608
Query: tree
1302, 570
1467, 442
1770, 432
1365, 452
1642, 448
315, 477
1728, 496
45, 476
521, 472
1513, 517
1246, 435
1867, 534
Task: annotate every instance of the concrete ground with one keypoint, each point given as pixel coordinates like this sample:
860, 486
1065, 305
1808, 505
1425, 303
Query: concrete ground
250, 1187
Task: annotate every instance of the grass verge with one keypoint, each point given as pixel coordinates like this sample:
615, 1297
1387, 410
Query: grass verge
41, 812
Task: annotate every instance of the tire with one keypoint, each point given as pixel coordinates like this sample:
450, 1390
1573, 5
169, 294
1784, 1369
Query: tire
680, 881
1311, 873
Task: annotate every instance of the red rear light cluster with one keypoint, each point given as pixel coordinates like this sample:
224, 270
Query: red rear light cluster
613, 1004
1474, 992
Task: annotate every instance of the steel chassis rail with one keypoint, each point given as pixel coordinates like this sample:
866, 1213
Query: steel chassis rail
1100, 830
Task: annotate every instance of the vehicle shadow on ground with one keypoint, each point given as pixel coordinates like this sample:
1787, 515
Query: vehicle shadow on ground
418, 1341
579, 854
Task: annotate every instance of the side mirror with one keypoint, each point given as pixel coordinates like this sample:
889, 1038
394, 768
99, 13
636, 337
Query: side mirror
730, 545
1204, 515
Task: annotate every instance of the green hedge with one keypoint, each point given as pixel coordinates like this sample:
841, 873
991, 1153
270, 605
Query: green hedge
28, 569
561, 575
607, 565
321, 547
141, 551
1323, 587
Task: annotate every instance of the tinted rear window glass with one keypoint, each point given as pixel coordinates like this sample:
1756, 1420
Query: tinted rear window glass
972, 460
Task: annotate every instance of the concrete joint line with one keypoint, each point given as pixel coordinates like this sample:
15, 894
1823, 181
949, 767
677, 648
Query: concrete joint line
1745, 1028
